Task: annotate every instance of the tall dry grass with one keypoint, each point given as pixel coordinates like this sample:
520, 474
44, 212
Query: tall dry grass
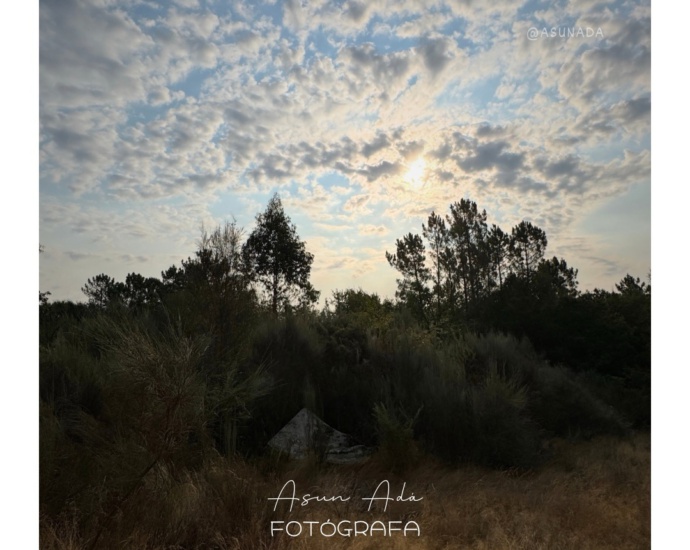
588, 495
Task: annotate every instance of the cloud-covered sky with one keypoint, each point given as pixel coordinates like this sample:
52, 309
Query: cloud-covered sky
156, 117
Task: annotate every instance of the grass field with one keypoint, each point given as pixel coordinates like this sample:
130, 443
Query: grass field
587, 495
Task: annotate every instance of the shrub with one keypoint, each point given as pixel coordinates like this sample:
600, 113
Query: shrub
397, 448
503, 434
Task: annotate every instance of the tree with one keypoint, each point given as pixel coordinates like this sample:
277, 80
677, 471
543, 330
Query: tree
498, 243
217, 266
223, 247
631, 286
554, 277
355, 301
174, 279
468, 231
276, 258
141, 291
436, 234
527, 245
42, 296
102, 290
409, 259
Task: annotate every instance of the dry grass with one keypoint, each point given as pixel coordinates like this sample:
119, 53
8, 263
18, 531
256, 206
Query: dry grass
590, 495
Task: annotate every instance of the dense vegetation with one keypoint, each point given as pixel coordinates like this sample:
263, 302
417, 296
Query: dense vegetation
488, 351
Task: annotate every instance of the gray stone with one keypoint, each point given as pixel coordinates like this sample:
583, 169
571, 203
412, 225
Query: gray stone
306, 433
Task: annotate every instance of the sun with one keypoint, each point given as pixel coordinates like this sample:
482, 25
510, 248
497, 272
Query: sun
415, 173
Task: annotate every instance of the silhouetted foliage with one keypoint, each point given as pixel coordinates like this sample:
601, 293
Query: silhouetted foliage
527, 246
410, 260
102, 290
278, 261
140, 291
436, 234
486, 279
43, 298
468, 232
630, 286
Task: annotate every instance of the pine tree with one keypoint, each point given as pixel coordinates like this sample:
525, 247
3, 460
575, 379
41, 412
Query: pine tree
278, 261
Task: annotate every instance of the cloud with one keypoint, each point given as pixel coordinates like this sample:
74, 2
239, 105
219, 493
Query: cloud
632, 110
491, 155
159, 96
555, 168
436, 53
128, 258
410, 149
294, 15
486, 130
356, 203
370, 229
625, 57
630, 116
77, 256
331, 228
89, 55
380, 170
610, 267
380, 142
356, 11
386, 69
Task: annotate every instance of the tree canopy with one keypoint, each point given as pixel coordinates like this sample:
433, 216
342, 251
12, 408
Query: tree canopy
278, 259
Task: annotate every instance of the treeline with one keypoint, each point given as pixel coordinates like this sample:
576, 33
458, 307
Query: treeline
272, 265
462, 273
469, 261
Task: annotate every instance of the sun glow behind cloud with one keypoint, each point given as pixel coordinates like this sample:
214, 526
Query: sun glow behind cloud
414, 176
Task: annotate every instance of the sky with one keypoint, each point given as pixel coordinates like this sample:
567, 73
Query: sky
158, 117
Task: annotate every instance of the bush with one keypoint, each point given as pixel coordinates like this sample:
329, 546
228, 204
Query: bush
503, 434
557, 401
397, 448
